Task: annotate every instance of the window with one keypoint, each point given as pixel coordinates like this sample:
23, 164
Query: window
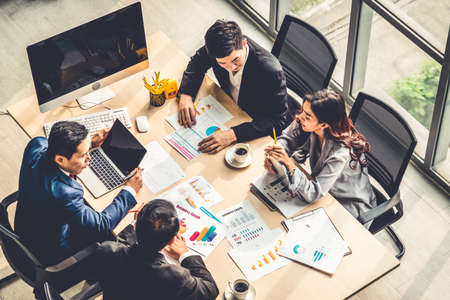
262, 7
442, 157
430, 19
400, 73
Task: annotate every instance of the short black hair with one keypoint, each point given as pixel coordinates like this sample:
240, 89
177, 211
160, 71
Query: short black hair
64, 139
156, 225
222, 38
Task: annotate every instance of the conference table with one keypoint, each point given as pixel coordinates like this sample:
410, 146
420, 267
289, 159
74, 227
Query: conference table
369, 259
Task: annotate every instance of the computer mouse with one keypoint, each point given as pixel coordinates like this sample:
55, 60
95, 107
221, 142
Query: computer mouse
142, 124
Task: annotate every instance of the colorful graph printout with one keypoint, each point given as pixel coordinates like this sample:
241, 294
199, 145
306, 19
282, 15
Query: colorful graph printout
244, 227
207, 105
211, 116
315, 243
257, 262
195, 192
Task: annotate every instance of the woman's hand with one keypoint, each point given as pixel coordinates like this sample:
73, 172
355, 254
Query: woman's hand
277, 152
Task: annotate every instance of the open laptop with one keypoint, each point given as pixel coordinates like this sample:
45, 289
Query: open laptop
112, 163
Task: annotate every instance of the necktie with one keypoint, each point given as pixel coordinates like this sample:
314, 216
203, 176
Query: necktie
73, 176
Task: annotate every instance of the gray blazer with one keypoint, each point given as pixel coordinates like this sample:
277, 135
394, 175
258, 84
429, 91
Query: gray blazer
330, 171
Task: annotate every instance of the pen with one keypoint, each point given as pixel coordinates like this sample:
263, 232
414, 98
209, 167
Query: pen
131, 175
209, 214
274, 136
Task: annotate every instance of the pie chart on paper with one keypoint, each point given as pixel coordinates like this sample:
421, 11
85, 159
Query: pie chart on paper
211, 130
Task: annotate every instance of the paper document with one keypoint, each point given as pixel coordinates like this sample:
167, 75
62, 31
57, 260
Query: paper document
211, 116
160, 170
207, 106
244, 227
275, 189
195, 192
314, 243
201, 231
257, 262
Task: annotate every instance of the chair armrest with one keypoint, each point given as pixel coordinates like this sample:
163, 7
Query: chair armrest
72, 260
379, 209
10, 199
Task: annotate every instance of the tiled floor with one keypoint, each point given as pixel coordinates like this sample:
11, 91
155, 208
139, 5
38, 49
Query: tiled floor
425, 228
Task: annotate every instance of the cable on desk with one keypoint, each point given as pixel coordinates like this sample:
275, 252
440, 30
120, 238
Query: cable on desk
86, 108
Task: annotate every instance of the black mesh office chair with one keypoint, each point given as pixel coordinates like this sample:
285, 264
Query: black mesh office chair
50, 293
306, 57
392, 144
25, 264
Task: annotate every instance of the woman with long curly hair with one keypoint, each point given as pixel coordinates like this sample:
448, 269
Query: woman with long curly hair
323, 132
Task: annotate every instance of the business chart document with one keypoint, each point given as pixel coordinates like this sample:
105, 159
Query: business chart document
210, 117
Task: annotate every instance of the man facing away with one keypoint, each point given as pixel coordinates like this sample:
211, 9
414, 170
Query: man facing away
140, 271
249, 74
52, 217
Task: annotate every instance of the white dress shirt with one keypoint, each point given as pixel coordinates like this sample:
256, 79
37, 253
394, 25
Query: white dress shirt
236, 79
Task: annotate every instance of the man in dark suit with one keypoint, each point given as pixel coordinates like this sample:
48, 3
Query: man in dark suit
52, 217
248, 73
140, 271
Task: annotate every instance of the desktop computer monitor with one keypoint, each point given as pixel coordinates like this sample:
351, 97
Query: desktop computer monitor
86, 58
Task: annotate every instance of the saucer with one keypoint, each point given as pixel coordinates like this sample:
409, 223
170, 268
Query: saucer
231, 162
250, 296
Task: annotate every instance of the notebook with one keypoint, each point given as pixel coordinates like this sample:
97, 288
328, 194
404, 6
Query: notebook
112, 163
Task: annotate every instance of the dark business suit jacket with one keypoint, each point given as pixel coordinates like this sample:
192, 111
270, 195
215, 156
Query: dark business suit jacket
263, 93
128, 272
51, 216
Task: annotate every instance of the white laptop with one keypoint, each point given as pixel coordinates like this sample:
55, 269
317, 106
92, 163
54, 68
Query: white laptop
112, 163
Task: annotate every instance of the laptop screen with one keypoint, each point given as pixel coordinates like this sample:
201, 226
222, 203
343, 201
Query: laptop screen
123, 148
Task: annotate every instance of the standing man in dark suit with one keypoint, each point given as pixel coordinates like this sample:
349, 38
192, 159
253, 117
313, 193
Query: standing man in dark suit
140, 271
52, 217
248, 73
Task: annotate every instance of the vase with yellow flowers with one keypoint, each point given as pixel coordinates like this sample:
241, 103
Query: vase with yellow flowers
156, 90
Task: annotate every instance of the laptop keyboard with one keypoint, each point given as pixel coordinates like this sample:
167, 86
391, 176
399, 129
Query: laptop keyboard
104, 171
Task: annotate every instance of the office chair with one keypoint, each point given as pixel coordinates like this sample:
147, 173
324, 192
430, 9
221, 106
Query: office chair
63, 275
50, 293
306, 57
392, 143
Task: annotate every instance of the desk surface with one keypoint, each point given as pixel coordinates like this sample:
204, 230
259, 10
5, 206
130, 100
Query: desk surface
369, 260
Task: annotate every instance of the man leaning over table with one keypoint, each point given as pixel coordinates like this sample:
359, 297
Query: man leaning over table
248, 73
140, 271
51, 217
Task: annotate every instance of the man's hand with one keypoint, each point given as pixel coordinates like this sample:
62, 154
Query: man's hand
216, 142
186, 111
177, 247
136, 180
98, 138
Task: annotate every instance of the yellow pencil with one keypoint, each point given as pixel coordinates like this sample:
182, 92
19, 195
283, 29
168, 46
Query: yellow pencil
274, 136
195, 104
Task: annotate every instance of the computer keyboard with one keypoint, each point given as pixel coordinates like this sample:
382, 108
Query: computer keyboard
104, 171
97, 121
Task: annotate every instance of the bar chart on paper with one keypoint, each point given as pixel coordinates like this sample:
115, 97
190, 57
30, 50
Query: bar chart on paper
243, 225
255, 263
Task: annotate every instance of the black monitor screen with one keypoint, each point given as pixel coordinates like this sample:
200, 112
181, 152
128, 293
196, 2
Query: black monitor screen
123, 148
87, 53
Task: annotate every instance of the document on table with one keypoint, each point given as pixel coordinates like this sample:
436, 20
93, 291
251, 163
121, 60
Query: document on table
206, 106
201, 231
244, 227
314, 241
275, 189
257, 262
211, 116
160, 170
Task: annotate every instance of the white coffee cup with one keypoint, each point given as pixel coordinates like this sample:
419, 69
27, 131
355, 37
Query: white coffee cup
239, 288
241, 152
